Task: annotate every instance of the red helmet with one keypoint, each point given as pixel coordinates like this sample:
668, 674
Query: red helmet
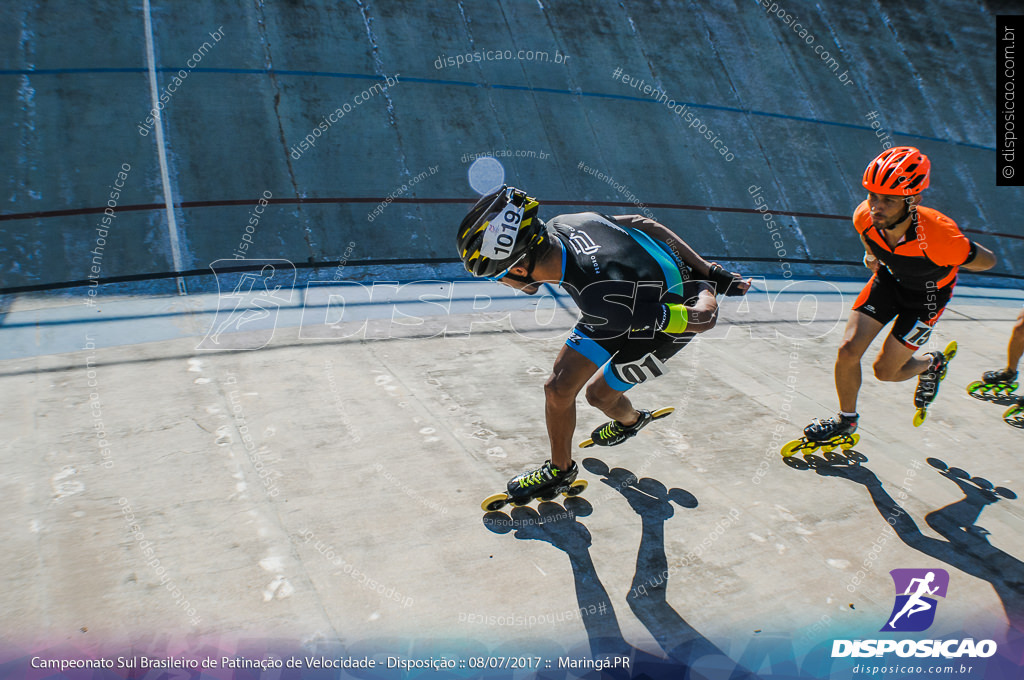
901, 170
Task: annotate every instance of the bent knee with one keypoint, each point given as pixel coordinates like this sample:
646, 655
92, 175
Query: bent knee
556, 389
599, 396
849, 352
885, 372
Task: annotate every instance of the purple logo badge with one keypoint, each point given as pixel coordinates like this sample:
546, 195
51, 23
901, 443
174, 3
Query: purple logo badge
916, 589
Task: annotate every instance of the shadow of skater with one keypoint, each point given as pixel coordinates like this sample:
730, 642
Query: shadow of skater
966, 546
652, 501
559, 527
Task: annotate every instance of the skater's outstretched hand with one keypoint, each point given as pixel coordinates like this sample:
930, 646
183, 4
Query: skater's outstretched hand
727, 282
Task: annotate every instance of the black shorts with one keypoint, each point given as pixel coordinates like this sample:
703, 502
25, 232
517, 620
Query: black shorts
916, 312
632, 358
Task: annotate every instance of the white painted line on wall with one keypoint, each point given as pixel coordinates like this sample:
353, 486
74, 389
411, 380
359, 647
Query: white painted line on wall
172, 223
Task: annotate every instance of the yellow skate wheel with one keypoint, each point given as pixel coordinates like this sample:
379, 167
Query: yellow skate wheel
576, 488
950, 350
828, 448
850, 443
919, 417
662, 412
792, 447
586, 443
495, 502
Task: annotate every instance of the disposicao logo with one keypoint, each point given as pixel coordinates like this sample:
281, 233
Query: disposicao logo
913, 612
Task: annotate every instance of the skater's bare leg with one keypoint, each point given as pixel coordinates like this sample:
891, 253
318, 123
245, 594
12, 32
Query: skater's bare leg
897, 362
570, 373
613, 403
1016, 347
861, 329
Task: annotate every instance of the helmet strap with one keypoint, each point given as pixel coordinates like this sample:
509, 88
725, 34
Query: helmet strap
906, 213
531, 261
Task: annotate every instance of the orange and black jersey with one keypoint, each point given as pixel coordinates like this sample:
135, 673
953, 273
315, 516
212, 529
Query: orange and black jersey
928, 255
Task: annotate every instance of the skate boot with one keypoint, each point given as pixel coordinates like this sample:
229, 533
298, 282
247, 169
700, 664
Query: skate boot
544, 483
994, 382
825, 434
614, 432
928, 382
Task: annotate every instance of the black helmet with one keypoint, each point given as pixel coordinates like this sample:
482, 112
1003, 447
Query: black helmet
499, 231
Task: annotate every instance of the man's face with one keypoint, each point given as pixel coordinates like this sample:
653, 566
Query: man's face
512, 281
887, 209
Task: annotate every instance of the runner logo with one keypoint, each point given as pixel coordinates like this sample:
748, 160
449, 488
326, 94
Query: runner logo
914, 609
247, 315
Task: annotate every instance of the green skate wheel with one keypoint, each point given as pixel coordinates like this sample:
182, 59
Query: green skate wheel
975, 386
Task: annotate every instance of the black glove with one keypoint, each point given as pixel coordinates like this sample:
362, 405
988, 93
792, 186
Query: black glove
725, 281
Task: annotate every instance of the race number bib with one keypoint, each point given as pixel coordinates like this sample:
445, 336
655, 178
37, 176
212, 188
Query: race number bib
918, 335
647, 367
501, 232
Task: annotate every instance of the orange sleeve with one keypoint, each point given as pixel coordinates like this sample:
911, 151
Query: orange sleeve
862, 217
942, 241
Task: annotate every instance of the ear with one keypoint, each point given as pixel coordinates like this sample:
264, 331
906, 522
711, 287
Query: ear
518, 270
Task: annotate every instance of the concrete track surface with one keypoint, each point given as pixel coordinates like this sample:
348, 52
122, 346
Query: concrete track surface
326, 491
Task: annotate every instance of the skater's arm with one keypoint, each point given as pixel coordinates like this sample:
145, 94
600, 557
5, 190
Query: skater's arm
984, 259
660, 232
568, 376
703, 314
682, 250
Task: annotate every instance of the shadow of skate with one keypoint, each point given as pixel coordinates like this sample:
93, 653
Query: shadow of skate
964, 545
